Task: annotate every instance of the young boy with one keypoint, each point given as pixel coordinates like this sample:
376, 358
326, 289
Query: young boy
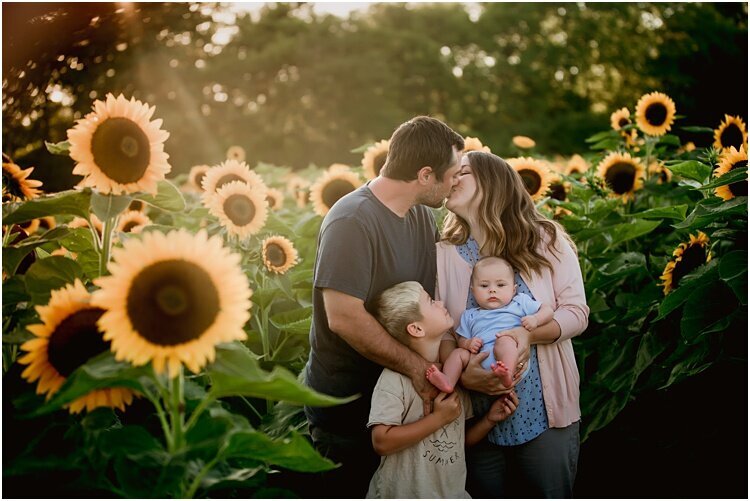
500, 308
422, 456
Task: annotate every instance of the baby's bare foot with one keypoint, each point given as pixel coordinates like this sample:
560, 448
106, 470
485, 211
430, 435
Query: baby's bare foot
503, 373
438, 379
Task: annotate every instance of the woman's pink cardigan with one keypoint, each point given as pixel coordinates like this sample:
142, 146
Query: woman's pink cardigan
562, 288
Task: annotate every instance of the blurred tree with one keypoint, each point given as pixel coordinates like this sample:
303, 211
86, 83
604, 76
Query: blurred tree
294, 87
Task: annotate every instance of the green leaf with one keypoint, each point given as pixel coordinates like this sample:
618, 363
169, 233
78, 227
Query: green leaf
669, 139
61, 148
599, 407
19, 336
296, 322
133, 442
168, 197
691, 363
49, 274
101, 371
693, 128
691, 169
107, 206
13, 255
733, 270
628, 231
624, 264
708, 304
733, 176
712, 209
700, 277
607, 134
650, 348
14, 290
293, 452
673, 212
236, 372
72, 202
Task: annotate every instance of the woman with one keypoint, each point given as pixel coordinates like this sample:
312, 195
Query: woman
492, 214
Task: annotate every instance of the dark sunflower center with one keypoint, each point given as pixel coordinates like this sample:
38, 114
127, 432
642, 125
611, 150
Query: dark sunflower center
136, 205
228, 179
11, 187
45, 223
172, 302
694, 256
121, 150
620, 177
75, 341
239, 209
656, 114
731, 136
129, 226
532, 180
557, 191
271, 200
275, 255
198, 179
623, 122
334, 190
379, 162
739, 189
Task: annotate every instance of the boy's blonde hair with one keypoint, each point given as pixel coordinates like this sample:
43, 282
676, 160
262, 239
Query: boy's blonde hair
489, 261
397, 307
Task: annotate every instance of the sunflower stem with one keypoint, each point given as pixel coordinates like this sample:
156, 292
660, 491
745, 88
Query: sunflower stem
197, 412
197, 480
109, 225
162, 419
177, 409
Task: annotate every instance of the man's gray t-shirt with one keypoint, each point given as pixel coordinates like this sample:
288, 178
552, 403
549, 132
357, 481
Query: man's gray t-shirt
363, 249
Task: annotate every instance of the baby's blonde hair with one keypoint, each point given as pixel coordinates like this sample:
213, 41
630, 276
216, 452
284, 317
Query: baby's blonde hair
397, 307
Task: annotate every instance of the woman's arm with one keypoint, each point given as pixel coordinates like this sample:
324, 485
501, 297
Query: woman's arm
389, 439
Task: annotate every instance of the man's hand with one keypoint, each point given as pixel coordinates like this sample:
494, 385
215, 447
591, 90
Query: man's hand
424, 388
477, 378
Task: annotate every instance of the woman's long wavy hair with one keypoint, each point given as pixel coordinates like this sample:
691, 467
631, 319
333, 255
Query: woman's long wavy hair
511, 223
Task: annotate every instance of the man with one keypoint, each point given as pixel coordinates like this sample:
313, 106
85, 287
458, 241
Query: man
372, 239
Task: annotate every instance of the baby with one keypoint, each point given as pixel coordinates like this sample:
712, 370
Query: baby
500, 309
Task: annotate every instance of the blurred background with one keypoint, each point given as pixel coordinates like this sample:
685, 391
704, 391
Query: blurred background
300, 83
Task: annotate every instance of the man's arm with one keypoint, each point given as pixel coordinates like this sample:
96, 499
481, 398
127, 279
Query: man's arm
348, 318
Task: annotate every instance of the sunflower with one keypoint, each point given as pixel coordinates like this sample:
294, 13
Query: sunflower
338, 168
535, 175
576, 165
658, 170
275, 199
732, 159
620, 118
30, 226
132, 221
196, 175
524, 142
66, 339
117, 149
330, 187
47, 222
236, 153
297, 187
138, 205
622, 173
16, 182
171, 299
474, 144
241, 209
279, 254
689, 146
228, 171
374, 158
79, 222
654, 113
686, 257
731, 132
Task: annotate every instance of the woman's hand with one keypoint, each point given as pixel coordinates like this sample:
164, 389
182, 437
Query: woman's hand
522, 337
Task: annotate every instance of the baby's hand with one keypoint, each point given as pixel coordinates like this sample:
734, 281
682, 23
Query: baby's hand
529, 322
475, 344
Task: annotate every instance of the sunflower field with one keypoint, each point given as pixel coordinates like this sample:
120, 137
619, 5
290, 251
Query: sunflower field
156, 315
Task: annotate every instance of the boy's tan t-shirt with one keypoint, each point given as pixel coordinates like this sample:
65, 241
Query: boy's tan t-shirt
433, 468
